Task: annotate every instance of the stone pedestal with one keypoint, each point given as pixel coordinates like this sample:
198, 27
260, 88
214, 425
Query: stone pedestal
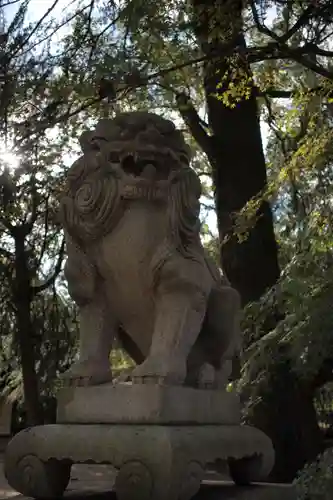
158, 456
146, 404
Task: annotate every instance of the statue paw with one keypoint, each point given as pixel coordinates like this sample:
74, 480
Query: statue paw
85, 373
160, 370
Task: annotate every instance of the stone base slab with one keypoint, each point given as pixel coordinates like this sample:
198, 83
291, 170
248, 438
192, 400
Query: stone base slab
145, 403
154, 462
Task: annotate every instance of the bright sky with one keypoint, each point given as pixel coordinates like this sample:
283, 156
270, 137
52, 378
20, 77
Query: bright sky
37, 8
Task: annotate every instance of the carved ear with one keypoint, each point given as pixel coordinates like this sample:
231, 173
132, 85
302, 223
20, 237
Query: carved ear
184, 209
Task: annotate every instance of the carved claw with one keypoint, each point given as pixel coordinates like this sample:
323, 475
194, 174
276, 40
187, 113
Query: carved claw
160, 370
84, 373
124, 377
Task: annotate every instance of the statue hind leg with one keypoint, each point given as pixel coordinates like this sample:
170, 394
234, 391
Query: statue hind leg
224, 324
181, 297
211, 360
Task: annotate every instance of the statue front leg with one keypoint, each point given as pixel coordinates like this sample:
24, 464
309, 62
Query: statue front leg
97, 331
181, 298
97, 327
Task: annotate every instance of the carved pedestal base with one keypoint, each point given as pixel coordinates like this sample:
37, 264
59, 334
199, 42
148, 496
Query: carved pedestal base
154, 462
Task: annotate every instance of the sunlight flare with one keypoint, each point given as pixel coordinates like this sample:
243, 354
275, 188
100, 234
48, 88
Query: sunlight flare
8, 159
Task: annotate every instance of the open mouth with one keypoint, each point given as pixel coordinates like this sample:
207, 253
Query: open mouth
136, 167
148, 161
140, 166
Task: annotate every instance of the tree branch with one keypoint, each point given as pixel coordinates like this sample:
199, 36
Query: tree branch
54, 31
262, 28
46, 228
307, 63
192, 120
50, 281
35, 28
283, 51
302, 20
277, 93
10, 2
28, 225
253, 54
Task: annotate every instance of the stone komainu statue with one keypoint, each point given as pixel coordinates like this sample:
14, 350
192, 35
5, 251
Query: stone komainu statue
136, 267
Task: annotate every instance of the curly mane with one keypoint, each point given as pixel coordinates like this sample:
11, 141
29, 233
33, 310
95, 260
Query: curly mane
91, 199
184, 208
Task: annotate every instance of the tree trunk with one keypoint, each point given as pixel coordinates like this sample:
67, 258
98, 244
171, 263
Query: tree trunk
22, 301
286, 413
238, 162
